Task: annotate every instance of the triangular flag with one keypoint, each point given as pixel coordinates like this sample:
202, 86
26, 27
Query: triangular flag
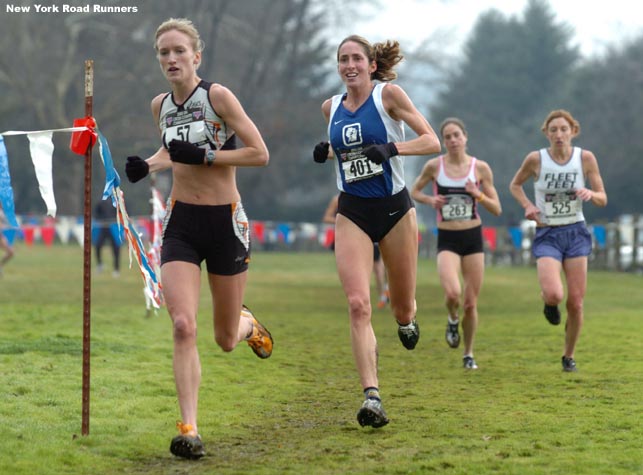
42, 150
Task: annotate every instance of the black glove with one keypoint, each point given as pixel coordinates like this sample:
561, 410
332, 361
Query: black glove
136, 169
185, 152
320, 154
380, 152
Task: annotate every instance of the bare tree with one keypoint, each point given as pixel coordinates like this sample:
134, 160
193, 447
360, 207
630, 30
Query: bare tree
272, 53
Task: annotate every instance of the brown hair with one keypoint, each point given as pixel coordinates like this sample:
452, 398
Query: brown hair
386, 56
455, 121
561, 113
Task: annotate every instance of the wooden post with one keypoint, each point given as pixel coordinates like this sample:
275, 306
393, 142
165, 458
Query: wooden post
87, 248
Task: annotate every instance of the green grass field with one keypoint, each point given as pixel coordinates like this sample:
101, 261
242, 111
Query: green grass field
295, 412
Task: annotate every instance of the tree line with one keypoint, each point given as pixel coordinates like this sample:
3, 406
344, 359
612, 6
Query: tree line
276, 56
517, 69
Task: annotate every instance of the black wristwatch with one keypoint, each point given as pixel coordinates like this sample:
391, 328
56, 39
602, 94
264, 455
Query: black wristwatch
210, 155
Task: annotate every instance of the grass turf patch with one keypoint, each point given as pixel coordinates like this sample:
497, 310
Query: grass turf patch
295, 412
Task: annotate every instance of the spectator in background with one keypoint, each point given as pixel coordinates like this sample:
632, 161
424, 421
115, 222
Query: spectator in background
104, 220
5, 246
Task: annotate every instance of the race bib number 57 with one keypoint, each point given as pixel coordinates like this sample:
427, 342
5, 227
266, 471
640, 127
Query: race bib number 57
186, 125
193, 132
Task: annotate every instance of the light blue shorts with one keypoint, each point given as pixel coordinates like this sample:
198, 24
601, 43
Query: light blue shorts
562, 242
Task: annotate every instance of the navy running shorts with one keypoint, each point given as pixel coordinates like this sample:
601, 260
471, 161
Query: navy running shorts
562, 242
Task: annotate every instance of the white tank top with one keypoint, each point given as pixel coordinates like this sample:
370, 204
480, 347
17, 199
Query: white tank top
555, 189
460, 205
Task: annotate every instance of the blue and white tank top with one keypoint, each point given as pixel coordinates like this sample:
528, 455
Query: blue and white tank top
350, 132
555, 189
194, 121
460, 204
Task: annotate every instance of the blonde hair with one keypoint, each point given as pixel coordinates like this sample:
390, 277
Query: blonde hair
183, 25
558, 114
386, 56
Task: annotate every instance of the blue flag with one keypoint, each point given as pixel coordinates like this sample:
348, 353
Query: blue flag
6, 192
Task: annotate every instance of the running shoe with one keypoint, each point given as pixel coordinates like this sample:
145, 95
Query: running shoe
260, 340
469, 363
372, 414
451, 335
187, 444
569, 365
384, 300
409, 334
552, 314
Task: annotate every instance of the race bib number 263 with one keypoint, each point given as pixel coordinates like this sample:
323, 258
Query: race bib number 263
457, 208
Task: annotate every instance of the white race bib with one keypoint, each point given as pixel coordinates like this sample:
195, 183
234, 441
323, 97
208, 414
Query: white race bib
457, 208
357, 167
193, 132
186, 125
562, 208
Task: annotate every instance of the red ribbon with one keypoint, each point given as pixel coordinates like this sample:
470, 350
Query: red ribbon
82, 141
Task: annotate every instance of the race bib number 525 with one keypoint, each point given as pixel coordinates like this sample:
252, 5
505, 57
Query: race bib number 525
561, 208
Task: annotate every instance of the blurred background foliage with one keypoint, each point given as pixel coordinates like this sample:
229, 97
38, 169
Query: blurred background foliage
278, 57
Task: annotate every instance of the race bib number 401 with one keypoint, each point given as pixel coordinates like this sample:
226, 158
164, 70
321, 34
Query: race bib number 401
357, 167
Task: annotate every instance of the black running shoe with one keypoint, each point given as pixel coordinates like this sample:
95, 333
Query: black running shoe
552, 314
409, 334
569, 365
469, 363
372, 414
188, 447
451, 335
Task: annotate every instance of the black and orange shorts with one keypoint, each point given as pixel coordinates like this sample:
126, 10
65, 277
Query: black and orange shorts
218, 234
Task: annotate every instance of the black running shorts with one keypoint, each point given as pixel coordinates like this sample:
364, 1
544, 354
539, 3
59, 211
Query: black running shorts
217, 234
375, 216
463, 242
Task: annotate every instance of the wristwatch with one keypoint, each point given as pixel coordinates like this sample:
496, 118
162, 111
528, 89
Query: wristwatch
210, 155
